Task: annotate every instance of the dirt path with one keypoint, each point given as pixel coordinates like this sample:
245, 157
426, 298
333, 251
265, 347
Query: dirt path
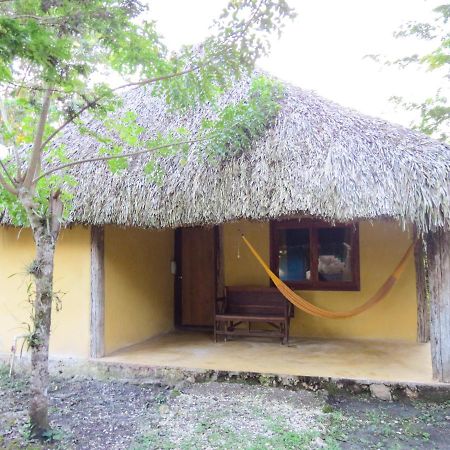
93, 414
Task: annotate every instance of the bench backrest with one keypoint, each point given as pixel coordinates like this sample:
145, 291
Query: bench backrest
255, 301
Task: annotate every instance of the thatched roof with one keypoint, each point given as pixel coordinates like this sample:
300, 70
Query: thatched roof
318, 159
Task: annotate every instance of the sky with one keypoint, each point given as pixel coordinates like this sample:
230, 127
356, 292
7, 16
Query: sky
324, 48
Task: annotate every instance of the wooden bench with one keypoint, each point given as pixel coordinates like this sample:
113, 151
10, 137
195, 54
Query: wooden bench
251, 305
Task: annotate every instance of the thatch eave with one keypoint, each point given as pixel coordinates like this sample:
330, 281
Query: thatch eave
317, 159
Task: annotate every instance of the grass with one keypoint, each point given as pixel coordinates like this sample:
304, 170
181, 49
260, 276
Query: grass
277, 435
377, 428
381, 428
353, 422
8, 383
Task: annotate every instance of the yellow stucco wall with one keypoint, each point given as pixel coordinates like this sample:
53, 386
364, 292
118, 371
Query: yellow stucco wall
138, 285
70, 326
382, 244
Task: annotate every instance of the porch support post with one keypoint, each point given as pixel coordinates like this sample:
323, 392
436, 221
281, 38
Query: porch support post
97, 330
438, 246
220, 279
423, 306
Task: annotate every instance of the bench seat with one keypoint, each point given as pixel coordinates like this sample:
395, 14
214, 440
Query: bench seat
248, 305
262, 318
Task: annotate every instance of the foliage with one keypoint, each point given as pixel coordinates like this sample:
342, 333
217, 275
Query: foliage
434, 111
238, 126
62, 47
434, 114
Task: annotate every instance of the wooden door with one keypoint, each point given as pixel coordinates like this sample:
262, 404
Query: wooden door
196, 264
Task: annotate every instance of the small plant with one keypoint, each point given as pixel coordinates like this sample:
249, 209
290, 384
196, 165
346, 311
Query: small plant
25, 431
331, 388
336, 429
175, 393
11, 383
33, 268
265, 380
50, 436
327, 409
375, 417
53, 435
425, 436
160, 399
4, 371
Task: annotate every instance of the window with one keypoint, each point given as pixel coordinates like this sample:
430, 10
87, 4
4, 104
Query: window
311, 254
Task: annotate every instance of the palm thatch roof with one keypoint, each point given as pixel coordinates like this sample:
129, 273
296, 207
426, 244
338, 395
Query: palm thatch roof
317, 158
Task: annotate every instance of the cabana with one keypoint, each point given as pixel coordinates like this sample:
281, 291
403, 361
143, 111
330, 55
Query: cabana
330, 198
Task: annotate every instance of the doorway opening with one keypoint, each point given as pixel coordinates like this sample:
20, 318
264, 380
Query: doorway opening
196, 277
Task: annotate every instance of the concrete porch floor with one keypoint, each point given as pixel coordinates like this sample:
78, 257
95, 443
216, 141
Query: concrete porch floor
357, 360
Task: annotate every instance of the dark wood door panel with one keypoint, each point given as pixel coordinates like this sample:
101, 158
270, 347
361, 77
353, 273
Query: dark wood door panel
198, 272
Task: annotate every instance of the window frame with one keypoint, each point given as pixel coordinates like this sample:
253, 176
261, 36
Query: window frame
313, 225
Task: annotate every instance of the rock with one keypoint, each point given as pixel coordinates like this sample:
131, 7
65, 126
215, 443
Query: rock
381, 391
319, 443
288, 381
355, 388
411, 393
163, 409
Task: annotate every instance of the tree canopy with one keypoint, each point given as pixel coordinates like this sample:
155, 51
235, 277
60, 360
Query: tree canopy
55, 56
434, 111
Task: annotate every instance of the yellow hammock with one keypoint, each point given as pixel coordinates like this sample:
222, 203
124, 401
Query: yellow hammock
309, 308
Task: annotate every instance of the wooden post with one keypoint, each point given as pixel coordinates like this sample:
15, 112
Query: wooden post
97, 292
423, 306
220, 281
438, 247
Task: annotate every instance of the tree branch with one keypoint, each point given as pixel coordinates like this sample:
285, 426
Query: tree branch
123, 155
6, 185
19, 165
247, 24
7, 173
4, 116
41, 19
33, 88
123, 86
36, 154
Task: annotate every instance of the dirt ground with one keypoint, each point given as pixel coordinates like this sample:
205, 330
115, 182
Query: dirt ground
95, 414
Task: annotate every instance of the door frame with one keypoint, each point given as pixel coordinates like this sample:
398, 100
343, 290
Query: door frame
178, 281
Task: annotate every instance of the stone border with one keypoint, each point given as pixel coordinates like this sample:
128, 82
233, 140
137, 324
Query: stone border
383, 390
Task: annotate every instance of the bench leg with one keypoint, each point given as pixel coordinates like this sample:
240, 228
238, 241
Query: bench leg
284, 327
286, 332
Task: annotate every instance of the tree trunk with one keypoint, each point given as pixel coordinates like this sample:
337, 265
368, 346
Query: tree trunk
423, 305
438, 246
45, 233
43, 274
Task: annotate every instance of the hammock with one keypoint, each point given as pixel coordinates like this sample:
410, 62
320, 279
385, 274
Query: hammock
309, 308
